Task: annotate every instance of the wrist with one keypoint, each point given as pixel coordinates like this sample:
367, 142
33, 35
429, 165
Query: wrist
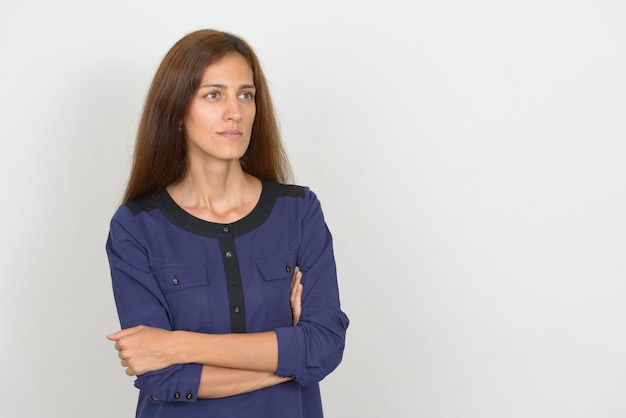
178, 352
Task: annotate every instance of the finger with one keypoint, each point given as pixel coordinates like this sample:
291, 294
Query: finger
297, 303
294, 277
131, 371
299, 295
123, 333
294, 292
113, 337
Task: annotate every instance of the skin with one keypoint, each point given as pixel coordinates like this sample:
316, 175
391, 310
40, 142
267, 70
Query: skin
217, 128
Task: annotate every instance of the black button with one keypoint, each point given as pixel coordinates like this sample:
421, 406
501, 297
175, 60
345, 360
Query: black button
189, 396
226, 230
288, 269
229, 254
177, 395
175, 281
236, 309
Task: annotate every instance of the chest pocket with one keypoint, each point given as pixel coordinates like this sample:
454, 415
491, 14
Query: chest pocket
276, 272
186, 289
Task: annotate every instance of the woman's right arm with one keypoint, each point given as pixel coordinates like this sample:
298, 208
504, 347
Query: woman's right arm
139, 301
219, 382
307, 352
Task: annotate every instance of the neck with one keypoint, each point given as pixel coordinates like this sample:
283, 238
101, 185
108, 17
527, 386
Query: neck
218, 192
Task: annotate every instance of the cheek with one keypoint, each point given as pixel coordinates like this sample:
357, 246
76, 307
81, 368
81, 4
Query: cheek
199, 122
252, 116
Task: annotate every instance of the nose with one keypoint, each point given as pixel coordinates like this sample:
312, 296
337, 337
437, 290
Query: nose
232, 110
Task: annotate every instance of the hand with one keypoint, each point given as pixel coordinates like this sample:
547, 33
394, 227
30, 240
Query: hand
296, 295
143, 349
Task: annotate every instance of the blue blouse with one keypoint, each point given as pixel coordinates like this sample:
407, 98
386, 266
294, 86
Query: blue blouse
174, 271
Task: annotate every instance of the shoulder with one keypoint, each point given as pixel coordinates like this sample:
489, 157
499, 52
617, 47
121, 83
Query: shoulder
145, 204
289, 190
296, 199
284, 190
126, 216
297, 194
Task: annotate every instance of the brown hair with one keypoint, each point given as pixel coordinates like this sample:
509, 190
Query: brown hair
160, 149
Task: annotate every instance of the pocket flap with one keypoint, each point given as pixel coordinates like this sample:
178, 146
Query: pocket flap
181, 276
279, 266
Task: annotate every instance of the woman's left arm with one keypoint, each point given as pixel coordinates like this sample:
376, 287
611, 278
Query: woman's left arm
143, 349
307, 352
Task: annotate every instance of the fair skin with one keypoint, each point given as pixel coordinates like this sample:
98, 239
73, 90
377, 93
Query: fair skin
232, 363
217, 127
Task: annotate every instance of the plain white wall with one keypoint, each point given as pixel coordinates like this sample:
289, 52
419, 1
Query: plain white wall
469, 156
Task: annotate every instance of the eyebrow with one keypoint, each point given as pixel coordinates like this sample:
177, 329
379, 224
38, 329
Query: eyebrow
224, 86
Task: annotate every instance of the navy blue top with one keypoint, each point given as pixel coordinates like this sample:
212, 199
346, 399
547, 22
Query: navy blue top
174, 271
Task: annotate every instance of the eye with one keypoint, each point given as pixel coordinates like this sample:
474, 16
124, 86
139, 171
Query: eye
213, 95
246, 95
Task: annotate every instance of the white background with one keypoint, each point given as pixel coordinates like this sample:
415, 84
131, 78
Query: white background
470, 157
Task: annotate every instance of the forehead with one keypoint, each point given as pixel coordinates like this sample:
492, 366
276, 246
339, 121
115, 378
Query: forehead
233, 66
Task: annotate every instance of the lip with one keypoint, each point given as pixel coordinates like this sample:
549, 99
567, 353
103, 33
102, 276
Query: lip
230, 134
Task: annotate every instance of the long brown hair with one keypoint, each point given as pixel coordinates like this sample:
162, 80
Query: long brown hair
160, 157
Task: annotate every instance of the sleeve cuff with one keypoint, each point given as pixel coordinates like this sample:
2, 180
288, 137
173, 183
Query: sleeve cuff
290, 352
174, 384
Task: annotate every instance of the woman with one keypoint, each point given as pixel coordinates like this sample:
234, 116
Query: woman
224, 277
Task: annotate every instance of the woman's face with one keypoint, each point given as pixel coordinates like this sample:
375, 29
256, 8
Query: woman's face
219, 121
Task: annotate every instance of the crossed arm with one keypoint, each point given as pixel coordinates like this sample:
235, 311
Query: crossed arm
232, 363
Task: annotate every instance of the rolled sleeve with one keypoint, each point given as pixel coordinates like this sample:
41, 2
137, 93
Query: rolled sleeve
311, 350
301, 357
139, 301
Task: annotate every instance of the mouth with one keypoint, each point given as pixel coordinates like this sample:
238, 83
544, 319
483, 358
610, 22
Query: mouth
230, 134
